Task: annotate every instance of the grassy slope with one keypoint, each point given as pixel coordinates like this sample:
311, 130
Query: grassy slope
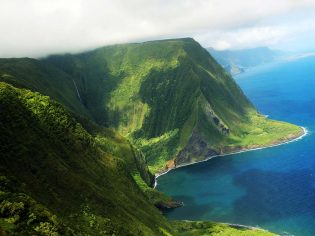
57, 179
60, 165
44, 78
21, 214
197, 228
169, 96
165, 96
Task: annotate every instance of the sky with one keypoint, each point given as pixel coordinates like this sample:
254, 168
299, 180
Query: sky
35, 28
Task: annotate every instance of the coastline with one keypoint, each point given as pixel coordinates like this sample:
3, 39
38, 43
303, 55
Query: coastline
277, 143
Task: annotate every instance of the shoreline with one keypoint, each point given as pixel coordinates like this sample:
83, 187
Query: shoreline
305, 132
234, 225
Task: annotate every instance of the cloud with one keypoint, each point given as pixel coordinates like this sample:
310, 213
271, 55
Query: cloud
247, 37
40, 27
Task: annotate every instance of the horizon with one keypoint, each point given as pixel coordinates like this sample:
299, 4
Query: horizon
295, 54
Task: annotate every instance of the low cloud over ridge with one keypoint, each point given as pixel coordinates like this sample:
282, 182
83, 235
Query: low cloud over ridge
41, 27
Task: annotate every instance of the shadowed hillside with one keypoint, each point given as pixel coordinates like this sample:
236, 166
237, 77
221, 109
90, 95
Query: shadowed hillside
171, 99
60, 165
82, 136
58, 179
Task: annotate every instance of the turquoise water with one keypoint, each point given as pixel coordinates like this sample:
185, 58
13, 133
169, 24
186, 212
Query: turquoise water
272, 188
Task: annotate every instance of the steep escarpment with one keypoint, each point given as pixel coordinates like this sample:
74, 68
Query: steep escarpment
169, 98
166, 97
56, 178
44, 78
82, 186
78, 161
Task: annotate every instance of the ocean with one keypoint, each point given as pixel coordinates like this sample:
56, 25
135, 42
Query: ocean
272, 188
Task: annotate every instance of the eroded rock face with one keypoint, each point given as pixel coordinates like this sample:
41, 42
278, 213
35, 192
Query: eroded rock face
215, 119
196, 150
169, 205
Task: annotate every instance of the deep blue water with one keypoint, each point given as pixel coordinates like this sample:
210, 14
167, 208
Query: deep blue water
272, 188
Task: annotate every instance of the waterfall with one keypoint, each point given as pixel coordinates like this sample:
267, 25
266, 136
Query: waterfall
76, 88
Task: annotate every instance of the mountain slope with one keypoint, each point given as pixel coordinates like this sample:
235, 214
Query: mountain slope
60, 165
169, 98
42, 77
56, 179
172, 100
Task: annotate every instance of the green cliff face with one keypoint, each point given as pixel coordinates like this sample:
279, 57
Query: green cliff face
170, 99
44, 78
59, 179
85, 182
83, 154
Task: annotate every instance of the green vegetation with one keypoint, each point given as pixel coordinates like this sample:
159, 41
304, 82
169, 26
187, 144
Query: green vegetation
84, 141
19, 213
165, 96
61, 166
58, 179
169, 98
42, 77
260, 131
198, 228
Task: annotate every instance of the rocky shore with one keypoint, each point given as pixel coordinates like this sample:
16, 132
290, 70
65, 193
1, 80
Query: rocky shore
172, 164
